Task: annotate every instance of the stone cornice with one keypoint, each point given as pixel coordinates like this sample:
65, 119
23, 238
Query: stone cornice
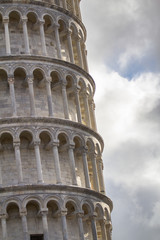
48, 60
48, 5
63, 122
57, 188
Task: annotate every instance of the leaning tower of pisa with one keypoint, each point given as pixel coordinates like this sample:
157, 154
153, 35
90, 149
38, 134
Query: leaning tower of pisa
51, 170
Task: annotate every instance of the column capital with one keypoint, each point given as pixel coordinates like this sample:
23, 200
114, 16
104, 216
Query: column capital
24, 19
68, 31
23, 213
93, 215
6, 19
30, 80
43, 212
11, 80
55, 143
3, 216
16, 143
71, 146
56, 26
80, 214
48, 79
36, 142
41, 22
84, 149
63, 212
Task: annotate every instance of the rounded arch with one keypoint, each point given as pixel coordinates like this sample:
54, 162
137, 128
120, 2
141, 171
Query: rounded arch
82, 84
55, 199
3, 74
90, 145
87, 206
46, 131
62, 22
27, 133
99, 210
20, 72
56, 76
63, 137
14, 10
32, 16
74, 29
33, 199
71, 204
11, 201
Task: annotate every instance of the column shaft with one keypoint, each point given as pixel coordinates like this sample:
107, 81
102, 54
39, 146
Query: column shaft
49, 97
93, 226
85, 58
25, 227
64, 226
79, 52
70, 48
58, 44
65, 101
92, 110
86, 107
103, 230
31, 95
7, 38
25, 33
72, 165
12, 95
80, 225
38, 162
86, 171
43, 41
78, 108
95, 172
57, 164
18, 161
45, 226
100, 174
4, 228
64, 4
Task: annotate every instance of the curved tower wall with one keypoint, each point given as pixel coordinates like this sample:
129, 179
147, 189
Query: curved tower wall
51, 169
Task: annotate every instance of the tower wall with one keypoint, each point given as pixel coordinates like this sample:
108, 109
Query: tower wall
51, 169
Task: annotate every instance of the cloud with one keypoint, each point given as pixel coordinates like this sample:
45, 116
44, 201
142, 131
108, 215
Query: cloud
124, 59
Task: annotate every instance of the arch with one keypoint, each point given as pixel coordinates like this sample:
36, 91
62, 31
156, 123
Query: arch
74, 29
58, 200
46, 131
90, 144
9, 201
82, 84
33, 199
74, 201
99, 210
27, 133
63, 136
15, 10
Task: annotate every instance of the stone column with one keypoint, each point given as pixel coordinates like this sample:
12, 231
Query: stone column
109, 230
25, 33
43, 41
86, 107
100, 174
4, 227
64, 225
95, 172
65, 101
85, 167
103, 229
80, 59
93, 226
7, 38
73, 5
31, 95
12, 95
45, 224
80, 226
24, 225
58, 44
84, 53
64, 4
78, 108
72, 164
70, 48
18, 161
92, 111
57, 163
49, 96
38, 161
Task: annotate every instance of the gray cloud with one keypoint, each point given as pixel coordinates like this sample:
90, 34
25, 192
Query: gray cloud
123, 43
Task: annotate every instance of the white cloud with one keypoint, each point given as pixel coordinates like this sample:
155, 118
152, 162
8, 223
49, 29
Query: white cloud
123, 40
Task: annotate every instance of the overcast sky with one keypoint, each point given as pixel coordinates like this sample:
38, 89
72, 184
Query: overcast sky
123, 46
